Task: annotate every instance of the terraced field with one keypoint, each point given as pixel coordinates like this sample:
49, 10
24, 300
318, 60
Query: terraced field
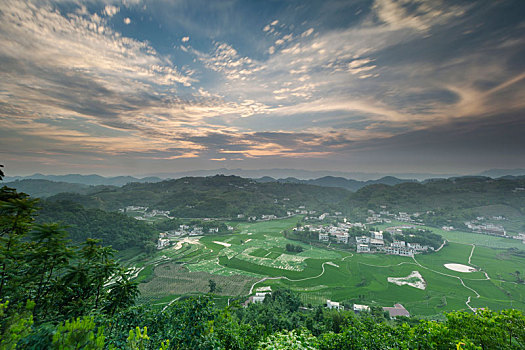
255, 256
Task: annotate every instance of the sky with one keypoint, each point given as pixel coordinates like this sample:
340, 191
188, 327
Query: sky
143, 87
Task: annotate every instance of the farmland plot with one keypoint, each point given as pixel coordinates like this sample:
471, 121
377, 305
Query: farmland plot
174, 279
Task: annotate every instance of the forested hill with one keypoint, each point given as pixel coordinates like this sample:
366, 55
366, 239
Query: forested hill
114, 229
453, 195
38, 188
216, 196
92, 180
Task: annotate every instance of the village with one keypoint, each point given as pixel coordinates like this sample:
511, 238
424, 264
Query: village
393, 312
334, 228
372, 242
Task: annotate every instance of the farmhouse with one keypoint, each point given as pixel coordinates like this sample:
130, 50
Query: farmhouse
341, 237
417, 247
376, 242
324, 237
334, 305
399, 251
257, 298
398, 244
377, 235
361, 308
362, 240
396, 311
162, 242
363, 248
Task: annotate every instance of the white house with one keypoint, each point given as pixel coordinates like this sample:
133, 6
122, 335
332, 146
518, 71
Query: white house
324, 237
259, 297
398, 244
363, 248
362, 240
377, 235
361, 308
162, 242
417, 246
377, 242
334, 305
341, 237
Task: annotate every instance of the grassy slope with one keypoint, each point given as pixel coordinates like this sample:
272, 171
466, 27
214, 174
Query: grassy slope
361, 278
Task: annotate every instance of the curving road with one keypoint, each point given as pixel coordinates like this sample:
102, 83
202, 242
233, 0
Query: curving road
291, 280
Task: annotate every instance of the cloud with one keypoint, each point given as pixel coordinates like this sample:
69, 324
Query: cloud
307, 32
72, 83
226, 60
415, 14
110, 10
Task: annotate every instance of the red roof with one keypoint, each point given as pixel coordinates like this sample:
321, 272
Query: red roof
397, 310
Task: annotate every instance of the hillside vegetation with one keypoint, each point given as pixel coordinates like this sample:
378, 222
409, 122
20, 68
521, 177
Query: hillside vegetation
453, 199
217, 196
113, 229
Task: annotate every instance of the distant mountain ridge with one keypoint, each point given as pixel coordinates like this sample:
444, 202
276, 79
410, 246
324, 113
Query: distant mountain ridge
46, 188
92, 179
264, 175
300, 174
494, 173
332, 181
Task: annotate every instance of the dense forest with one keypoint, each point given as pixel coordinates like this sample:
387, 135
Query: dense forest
440, 202
112, 228
453, 193
216, 196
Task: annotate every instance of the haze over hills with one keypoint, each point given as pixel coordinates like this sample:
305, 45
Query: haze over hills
280, 174
503, 172
331, 181
301, 174
349, 180
455, 200
91, 179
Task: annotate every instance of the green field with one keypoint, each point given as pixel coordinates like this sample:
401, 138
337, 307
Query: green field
257, 250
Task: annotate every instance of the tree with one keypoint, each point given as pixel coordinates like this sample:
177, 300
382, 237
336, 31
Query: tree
122, 294
16, 211
38, 263
295, 339
14, 326
79, 334
213, 286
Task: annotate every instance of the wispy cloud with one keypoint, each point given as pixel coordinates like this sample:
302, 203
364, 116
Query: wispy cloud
80, 78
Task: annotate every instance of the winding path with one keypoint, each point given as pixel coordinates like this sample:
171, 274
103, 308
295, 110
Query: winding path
471, 252
171, 302
453, 276
291, 280
442, 245
348, 256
